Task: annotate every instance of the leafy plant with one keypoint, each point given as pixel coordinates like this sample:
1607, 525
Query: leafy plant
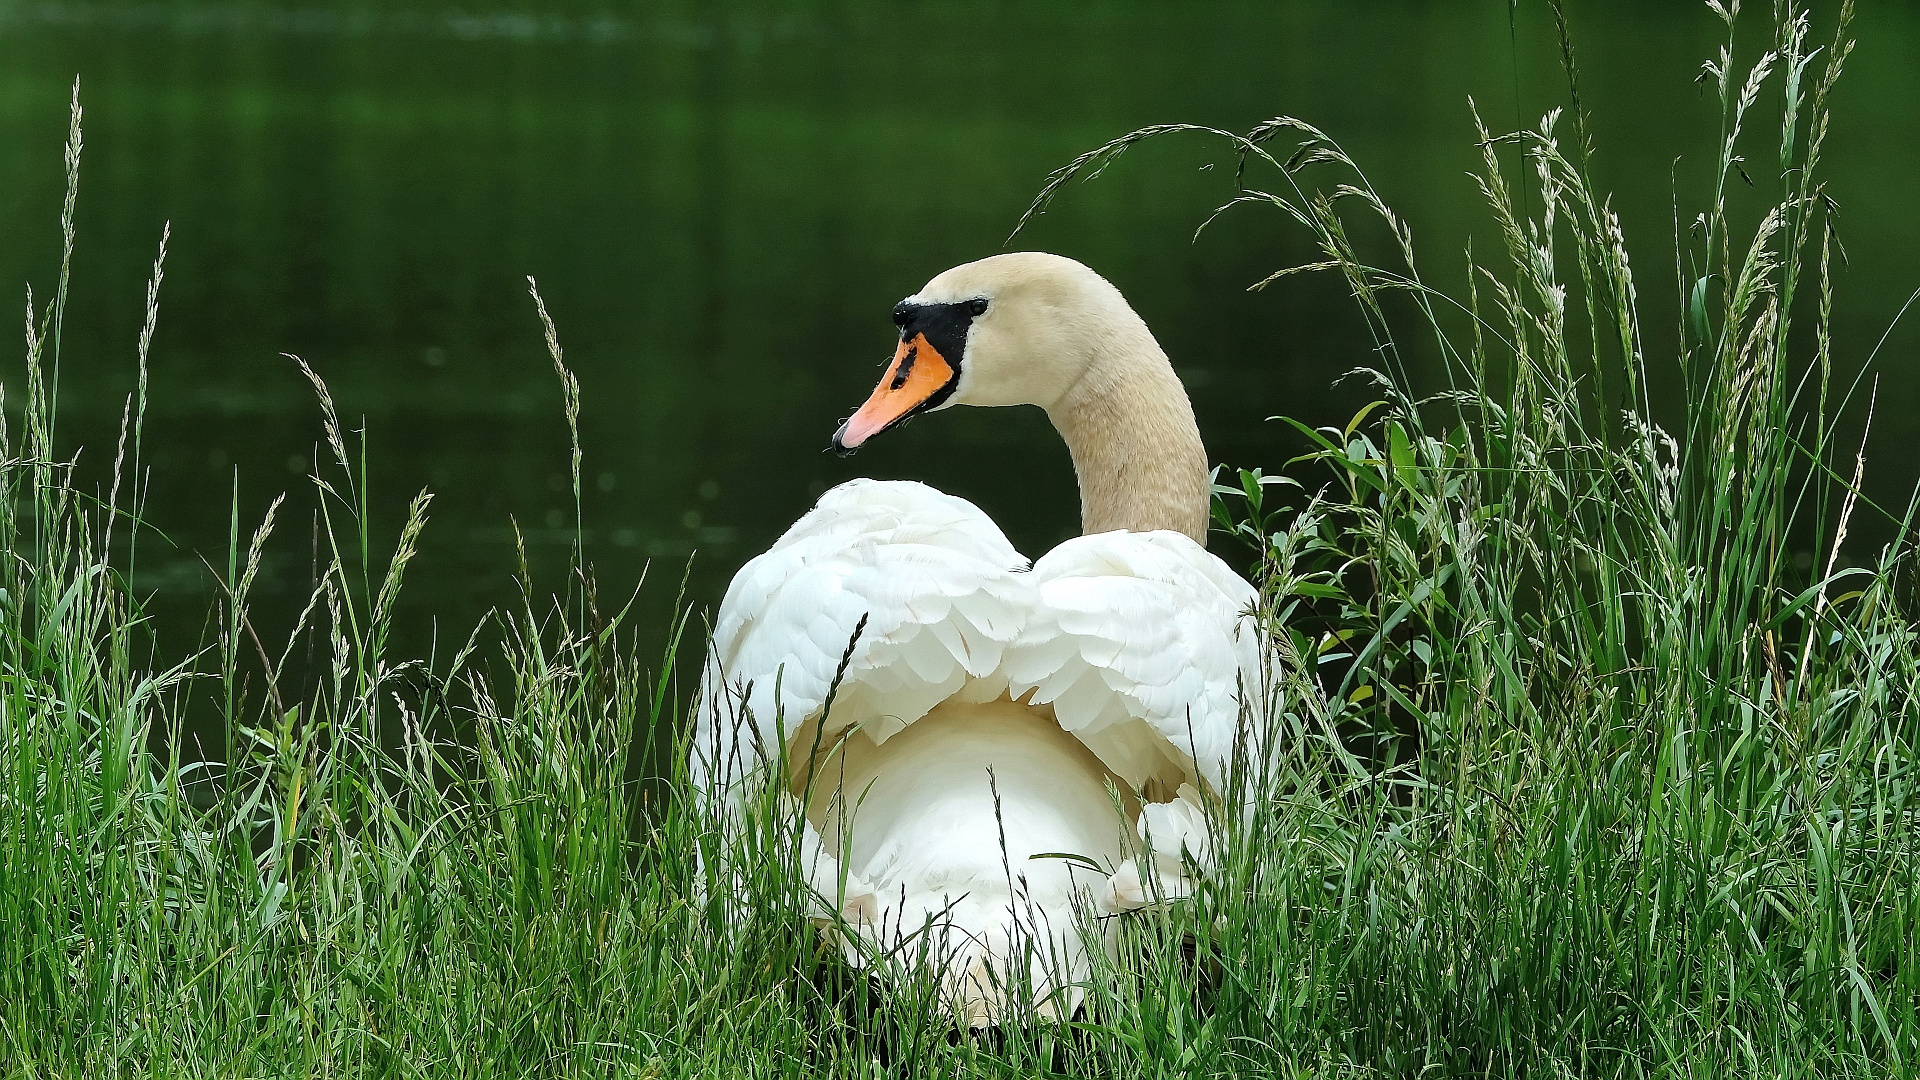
1584, 771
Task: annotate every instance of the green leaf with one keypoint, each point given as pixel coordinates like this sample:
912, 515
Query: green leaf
1360, 417
1068, 856
1310, 433
1399, 448
1810, 592
1697, 310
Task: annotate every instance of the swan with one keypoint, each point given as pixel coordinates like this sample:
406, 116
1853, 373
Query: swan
1006, 738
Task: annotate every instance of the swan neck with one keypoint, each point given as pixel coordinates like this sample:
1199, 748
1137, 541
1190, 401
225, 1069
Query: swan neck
1136, 448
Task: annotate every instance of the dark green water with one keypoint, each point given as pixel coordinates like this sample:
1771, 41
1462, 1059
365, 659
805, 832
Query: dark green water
722, 201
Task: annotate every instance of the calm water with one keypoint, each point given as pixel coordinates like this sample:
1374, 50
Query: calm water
722, 201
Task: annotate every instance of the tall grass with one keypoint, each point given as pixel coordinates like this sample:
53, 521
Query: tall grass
1588, 774
1583, 773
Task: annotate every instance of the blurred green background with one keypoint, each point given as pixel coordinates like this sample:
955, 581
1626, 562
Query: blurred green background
722, 201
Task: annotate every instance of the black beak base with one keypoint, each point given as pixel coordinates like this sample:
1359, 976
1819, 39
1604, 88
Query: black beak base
945, 327
839, 448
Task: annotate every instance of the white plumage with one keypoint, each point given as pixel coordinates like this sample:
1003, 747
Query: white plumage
1117, 655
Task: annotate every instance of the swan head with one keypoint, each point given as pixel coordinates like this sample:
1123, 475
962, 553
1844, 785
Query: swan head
1019, 328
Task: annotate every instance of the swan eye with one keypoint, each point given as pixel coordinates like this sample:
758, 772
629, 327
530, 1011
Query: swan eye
977, 305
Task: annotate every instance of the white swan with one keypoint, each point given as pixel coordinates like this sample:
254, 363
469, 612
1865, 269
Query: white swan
990, 711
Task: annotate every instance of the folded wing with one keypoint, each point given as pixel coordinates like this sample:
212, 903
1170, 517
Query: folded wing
936, 580
1132, 629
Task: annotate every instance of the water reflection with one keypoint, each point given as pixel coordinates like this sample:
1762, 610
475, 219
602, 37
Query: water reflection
721, 202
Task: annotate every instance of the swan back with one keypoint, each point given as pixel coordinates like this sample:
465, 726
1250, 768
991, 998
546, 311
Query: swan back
989, 717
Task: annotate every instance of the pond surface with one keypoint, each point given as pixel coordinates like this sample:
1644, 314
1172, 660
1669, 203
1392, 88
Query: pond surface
721, 202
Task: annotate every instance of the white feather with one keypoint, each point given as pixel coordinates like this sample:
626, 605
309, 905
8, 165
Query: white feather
988, 703
891, 551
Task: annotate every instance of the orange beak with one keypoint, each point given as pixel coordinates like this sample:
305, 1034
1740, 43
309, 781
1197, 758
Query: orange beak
918, 374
